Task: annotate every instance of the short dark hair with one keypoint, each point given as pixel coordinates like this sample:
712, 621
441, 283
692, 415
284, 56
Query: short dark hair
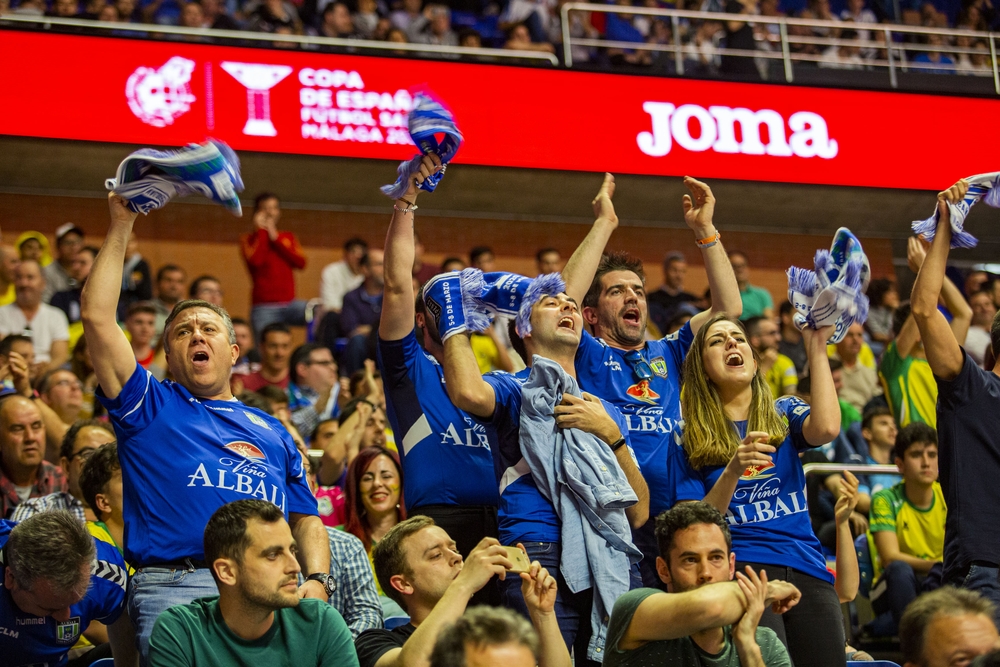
545, 251
42, 383
786, 308
259, 200
97, 473
873, 412
358, 379
351, 407
253, 399
685, 515
835, 364
481, 627
69, 440
8, 342
91, 249
140, 307
516, 341
478, 252
355, 242
226, 532
301, 355
187, 304
271, 328
241, 321
451, 260
52, 546
612, 261
274, 394
911, 434
388, 558
673, 256
196, 284
877, 289
168, 268
945, 601
752, 325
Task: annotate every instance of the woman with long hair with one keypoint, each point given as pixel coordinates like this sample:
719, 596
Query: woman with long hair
741, 454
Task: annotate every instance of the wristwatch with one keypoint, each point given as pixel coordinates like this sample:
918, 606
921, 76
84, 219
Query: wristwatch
325, 578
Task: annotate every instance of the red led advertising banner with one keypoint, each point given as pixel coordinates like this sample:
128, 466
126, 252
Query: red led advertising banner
172, 93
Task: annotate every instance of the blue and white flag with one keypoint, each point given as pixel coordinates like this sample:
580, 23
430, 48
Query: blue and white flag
981, 186
835, 292
149, 178
427, 118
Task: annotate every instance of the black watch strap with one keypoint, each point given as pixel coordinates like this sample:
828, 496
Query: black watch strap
325, 578
617, 444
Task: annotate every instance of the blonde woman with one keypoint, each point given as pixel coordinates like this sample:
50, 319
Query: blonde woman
741, 454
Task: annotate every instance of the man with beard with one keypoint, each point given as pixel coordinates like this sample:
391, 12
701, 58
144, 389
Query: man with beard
763, 336
258, 616
639, 377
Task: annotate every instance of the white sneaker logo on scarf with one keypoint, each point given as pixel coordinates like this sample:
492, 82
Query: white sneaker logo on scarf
159, 96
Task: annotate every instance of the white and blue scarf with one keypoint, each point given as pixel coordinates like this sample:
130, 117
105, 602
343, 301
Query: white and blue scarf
427, 118
981, 186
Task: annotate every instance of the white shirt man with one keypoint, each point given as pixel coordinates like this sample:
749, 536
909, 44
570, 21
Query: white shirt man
28, 315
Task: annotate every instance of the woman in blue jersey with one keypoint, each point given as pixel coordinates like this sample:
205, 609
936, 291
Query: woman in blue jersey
741, 454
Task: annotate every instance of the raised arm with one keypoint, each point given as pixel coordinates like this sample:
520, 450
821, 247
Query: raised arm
398, 297
699, 209
943, 351
466, 387
538, 588
848, 573
110, 351
823, 423
582, 265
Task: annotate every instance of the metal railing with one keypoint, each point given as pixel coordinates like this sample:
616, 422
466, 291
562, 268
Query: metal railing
782, 41
303, 42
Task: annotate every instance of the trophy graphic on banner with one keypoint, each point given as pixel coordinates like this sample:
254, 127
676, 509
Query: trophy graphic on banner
258, 79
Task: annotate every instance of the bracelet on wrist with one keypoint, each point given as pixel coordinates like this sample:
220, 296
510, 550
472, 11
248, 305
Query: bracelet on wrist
709, 241
617, 444
410, 206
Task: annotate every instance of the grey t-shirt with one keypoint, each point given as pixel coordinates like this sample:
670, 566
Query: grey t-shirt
681, 652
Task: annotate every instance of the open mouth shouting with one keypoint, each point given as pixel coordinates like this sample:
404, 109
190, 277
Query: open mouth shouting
567, 323
631, 316
734, 360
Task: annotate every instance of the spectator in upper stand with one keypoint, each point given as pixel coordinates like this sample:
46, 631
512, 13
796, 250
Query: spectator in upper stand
907, 524
482, 258
436, 28
127, 11
337, 22
739, 35
519, 39
45, 324
778, 369
66, 9
843, 56
933, 60
341, 277
207, 288
68, 300
620, 28
884, 299
62, 391
170, 281
9, 259
215, 16
69, 240
354, 595
663, 302
81, 441
23, 471
366, 18
273, 16
756, 300
249, 361
313, 386
856, 12
257, 616
946, 627
140, 322
534, 15
548, 260
407, 15
978, 339
192, 15
470, 38
362, 309
907, 378
271, 257
860, 381
418, 564
791, 344
275, 350
705, 611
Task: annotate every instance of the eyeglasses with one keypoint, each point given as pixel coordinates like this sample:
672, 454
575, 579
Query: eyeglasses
84, 453
325, 362
72, 384
640, 367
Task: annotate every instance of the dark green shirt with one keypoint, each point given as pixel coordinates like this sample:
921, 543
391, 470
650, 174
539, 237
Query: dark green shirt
681, 652
312, 633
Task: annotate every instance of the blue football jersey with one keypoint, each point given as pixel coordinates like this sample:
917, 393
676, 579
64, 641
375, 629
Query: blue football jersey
768, 515
446, 454
183, 458
652, 408
26, 639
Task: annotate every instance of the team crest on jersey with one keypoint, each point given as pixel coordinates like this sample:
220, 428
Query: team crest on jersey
246, 450
643, 392
257, 419
757, 471
68, 631
659, 366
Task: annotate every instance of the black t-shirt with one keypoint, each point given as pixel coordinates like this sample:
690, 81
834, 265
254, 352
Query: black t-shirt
742, 38
968, 422
373, 644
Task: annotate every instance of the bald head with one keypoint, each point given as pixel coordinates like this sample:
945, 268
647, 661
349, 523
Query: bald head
22, 438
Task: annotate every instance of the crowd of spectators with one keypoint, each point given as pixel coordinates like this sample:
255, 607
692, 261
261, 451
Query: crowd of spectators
536, 25
353, 500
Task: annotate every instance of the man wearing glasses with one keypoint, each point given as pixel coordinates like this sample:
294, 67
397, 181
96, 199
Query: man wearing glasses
81, 440
642, 378
313, 387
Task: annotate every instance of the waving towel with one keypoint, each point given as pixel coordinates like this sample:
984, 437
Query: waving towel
452, 299
427, 118
514, 295
980, 186
148, 178
835, 292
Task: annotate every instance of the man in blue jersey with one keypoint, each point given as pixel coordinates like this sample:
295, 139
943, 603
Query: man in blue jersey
186, 446
55, 581
446, 454
640, 377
